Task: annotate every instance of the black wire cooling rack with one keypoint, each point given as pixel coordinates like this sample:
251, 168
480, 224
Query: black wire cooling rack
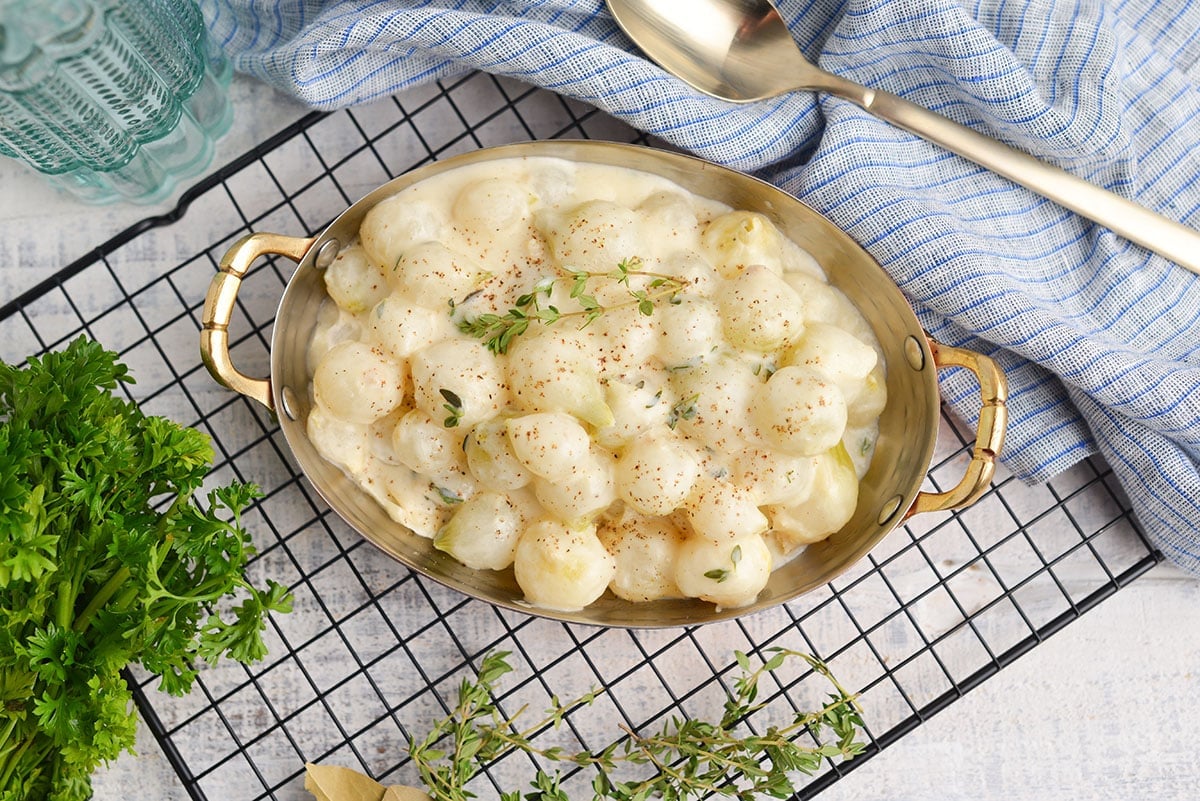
372, 653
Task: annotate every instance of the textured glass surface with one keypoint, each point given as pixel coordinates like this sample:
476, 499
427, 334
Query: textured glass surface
112, 98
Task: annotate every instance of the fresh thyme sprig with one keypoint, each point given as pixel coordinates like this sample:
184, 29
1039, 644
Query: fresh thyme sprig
687, 758
498, 330
478, 733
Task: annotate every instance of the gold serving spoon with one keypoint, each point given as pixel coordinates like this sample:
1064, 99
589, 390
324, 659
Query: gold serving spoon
741, 50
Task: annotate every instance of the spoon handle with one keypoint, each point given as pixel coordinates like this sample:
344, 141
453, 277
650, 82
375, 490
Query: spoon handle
1136, 223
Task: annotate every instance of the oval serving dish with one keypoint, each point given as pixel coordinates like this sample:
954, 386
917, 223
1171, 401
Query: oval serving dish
889, 493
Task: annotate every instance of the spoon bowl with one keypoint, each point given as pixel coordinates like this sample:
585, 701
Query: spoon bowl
741, 51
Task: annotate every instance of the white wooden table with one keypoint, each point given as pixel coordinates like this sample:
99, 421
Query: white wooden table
1107, 709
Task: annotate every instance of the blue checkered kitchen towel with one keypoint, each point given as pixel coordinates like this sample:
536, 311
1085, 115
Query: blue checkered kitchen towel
1100, 340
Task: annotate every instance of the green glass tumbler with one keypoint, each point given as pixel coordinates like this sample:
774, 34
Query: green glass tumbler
111, 99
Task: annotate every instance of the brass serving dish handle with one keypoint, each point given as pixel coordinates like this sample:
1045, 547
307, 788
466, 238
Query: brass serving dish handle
989, 434
221, 300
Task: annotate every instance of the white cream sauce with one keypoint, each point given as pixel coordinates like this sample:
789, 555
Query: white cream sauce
683, 451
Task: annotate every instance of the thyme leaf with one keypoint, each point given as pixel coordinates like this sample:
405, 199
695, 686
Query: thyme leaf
453, 405
684, 409
721, 574
448, 496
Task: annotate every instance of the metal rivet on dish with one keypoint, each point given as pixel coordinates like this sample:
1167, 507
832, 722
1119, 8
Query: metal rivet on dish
288, 396
327, 254
914, 353
890, 507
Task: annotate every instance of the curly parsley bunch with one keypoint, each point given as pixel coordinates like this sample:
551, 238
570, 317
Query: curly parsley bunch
107, 559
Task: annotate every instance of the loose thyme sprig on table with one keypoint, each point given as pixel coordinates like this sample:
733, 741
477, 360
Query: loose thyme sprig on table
687, 758
498, 330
